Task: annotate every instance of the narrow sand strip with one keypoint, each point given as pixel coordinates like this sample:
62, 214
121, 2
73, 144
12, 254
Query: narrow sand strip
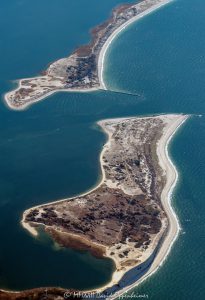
174, 227
28, 104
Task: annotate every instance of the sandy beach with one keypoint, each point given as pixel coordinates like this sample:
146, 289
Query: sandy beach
174, 226
171, 176
101, 59
28, 104
156, 4
32, 230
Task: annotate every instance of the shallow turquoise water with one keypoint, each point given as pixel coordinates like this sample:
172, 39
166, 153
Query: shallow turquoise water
51, 151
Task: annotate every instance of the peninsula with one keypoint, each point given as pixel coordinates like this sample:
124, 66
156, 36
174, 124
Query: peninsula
83, 69
127, 217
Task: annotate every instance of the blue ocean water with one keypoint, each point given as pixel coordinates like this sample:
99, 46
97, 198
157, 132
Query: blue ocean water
51, 150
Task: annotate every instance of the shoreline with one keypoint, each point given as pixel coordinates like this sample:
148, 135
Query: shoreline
102, 178
101, 58
166, 241
100, 61
27, 105
173, 233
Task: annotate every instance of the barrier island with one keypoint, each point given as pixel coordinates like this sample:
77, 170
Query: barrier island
82, 71
128, 216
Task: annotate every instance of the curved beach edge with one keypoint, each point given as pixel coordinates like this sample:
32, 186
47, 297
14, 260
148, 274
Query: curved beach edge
31, 229
27, 105
100, 63
166, 198
174, 227
101, 59
159, 256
